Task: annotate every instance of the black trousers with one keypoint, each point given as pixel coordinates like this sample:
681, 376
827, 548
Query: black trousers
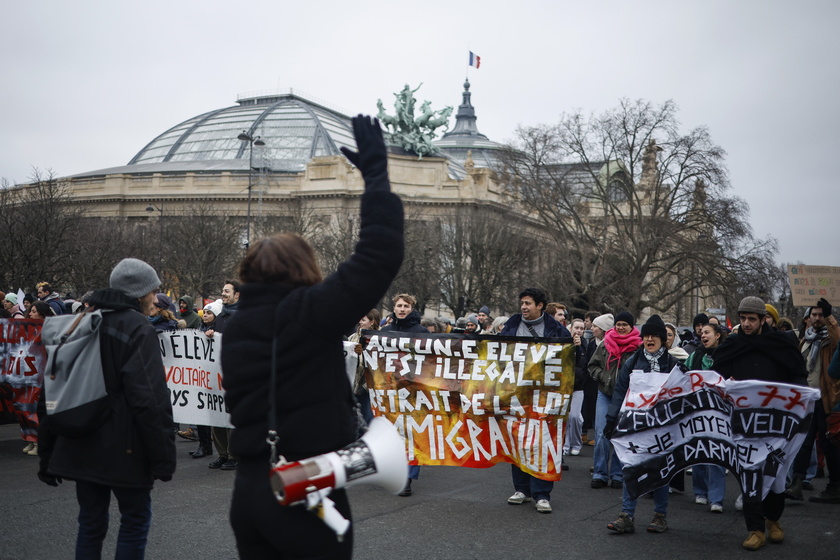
265, 529
770, 508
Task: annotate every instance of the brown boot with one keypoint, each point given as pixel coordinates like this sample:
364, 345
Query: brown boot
774, 532
755, 540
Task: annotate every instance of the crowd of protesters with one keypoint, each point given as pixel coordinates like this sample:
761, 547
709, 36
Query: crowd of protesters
607, 348
282, 284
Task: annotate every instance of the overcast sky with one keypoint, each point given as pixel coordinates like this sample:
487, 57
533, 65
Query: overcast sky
86, 85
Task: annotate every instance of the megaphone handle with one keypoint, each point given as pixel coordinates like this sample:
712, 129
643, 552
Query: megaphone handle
325, 509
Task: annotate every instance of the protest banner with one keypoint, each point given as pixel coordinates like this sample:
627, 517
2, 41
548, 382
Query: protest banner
670, 421
351, 360
810, 283
474, 401
22, 361
192, 362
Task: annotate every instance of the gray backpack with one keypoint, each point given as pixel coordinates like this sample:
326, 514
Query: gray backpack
74, 384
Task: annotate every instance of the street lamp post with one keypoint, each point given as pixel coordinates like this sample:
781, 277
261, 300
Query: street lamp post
252, 141
151, 208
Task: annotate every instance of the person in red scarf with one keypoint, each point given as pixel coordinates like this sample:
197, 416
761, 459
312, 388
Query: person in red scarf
619, 344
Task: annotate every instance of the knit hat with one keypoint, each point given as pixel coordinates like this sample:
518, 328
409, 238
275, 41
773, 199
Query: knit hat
473, 318
134, 278
484, 309
772, 312
752, 304
75, 307
164, 302
627, 317
700, 319
655, 326
214, 307
12, 298
604, 322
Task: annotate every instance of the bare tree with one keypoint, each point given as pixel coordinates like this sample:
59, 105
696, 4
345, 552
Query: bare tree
201, 249
38, 226
638, 211
485, 258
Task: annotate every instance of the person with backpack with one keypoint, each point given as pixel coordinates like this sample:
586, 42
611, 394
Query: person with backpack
134, 444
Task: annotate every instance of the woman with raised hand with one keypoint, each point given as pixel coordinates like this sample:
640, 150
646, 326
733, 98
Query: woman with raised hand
313, 408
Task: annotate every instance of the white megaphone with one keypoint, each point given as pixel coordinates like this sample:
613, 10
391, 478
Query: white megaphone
378, 458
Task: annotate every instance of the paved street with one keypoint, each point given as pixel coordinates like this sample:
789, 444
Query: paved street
454, 514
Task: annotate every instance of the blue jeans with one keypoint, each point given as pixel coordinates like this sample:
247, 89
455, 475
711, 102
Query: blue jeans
530, 485
660, 501
135, 518
709, 481
607, 465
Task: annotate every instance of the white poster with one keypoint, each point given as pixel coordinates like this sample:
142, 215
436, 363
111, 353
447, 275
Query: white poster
194, 376
671, 421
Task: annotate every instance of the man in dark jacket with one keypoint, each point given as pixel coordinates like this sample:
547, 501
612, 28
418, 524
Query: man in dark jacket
532, 322
188, 314
51, 298
758, 352
136, 445
227, 461
406, 319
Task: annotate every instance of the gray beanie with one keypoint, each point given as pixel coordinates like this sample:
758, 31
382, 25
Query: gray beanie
134, 278
604, 322
473, 318
752, 304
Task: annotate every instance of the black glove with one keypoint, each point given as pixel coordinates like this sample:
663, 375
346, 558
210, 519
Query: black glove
49, 479
609, 428
825, 306
372, 157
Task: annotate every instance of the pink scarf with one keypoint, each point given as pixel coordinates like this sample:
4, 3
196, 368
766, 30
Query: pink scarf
619, 344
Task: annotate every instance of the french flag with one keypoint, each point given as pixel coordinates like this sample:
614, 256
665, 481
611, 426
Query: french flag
475, 60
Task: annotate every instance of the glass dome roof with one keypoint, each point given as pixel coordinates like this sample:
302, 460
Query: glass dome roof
295, 129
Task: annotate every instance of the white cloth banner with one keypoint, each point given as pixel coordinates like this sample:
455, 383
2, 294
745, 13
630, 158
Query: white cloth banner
193, 366
670, 421
351, 360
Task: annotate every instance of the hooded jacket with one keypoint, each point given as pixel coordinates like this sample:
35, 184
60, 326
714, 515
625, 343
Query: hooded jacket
190, 317
136, 445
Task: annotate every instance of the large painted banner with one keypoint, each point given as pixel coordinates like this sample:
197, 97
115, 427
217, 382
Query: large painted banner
474, 401
22, 361
194, 375
670, 421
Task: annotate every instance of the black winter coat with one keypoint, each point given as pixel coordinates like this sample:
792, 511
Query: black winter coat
137, 443
411, 323
314, 400
636, 362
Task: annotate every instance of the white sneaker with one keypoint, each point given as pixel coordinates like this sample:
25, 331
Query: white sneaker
543, 506
28, 447
575, 452
702, 500
34, 450
716, 508
518, 498
739, 503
